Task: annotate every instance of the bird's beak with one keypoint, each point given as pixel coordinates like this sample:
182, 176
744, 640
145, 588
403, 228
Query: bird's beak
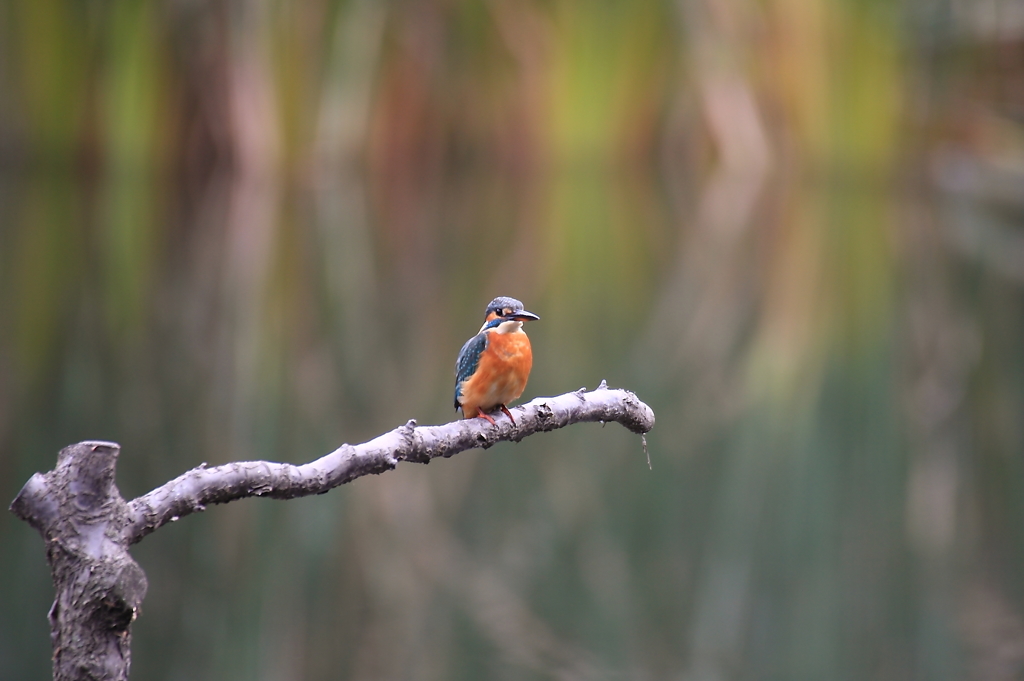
524, 316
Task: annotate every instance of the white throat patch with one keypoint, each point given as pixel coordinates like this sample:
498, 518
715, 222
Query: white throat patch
510, 326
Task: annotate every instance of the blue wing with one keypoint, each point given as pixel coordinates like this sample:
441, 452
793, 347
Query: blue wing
469, 359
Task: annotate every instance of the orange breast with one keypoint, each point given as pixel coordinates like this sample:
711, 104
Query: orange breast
501, 375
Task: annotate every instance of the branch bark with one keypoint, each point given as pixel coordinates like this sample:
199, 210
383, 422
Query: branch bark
88, 527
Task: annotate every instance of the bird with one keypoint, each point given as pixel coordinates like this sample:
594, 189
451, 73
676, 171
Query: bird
493, 365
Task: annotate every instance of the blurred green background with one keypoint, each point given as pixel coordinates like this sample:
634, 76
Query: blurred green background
795, 228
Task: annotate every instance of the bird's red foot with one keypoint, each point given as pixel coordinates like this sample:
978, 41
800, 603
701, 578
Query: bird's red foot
508, 414
481, 415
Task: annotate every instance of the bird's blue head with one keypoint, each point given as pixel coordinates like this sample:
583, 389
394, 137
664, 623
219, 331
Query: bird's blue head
507, 309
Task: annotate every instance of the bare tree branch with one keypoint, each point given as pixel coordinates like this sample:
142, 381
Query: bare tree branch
88, 526
201, 486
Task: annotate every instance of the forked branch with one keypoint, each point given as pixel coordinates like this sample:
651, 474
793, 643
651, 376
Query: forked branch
88, 527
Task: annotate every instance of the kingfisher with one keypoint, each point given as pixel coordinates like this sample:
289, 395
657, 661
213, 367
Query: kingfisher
493, 365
